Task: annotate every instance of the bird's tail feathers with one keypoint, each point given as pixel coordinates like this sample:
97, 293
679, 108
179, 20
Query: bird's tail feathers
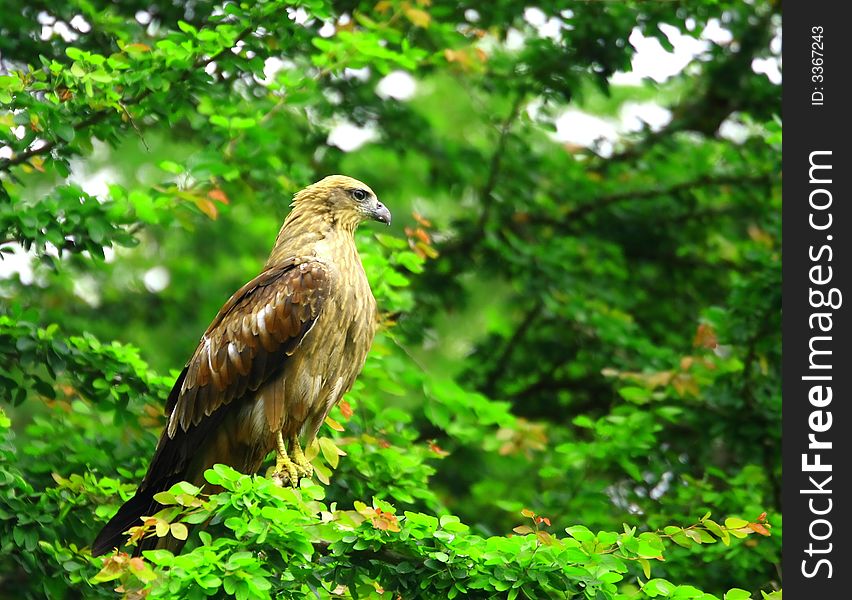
142, 504
183, 457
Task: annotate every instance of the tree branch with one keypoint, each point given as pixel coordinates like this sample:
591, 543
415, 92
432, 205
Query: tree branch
487, 194
602, 202
98, 116
748, 395
508, 349
385, 554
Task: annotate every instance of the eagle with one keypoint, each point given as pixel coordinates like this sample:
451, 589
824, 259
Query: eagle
279, 355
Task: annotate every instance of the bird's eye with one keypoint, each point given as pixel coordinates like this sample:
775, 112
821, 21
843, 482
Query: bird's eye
359, 195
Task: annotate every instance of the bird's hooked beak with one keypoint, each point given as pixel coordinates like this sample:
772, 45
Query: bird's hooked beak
382, 214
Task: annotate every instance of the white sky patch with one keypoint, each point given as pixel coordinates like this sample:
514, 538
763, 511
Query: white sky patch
551, 29
333, 96
547, 27
601, 134
514, 40
362, 74
97, 184
299, 15
634, 116
398, 85
734, 130
348, 136
93, 183
6, 152
577, 127
771, 67
714, 32
535, 16
80, 24
64, 31
533, 108
156, 279
86, 289
775, 43
273, 65
18, 261
38, 144
655, 62
327, 30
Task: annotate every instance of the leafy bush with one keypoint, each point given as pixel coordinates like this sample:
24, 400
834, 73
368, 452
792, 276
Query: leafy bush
575, 392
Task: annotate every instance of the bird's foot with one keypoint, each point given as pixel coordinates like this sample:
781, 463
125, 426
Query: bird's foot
303, 465
286, 472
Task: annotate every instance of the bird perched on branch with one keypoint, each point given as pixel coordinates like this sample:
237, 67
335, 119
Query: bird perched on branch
279, 355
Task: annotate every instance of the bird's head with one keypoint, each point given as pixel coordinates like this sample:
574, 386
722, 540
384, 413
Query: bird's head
347, 201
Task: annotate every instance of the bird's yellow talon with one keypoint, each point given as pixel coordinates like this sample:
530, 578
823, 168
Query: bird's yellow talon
286, 471
303, 465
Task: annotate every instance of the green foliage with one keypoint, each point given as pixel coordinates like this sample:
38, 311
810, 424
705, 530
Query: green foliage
372, 551
579, 361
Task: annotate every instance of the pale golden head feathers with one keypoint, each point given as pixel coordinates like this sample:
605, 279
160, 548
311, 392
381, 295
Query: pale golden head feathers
345, 200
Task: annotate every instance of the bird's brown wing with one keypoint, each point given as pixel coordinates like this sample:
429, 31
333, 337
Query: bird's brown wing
247, 344
249, 340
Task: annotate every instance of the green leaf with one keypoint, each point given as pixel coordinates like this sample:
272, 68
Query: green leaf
735, 523
635, 394
171, 167
186, 27
75, 53
580, 533
179, 531
330, 452
658, 587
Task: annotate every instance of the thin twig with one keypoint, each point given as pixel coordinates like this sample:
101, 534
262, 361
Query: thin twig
509, 348
487, 194
602, 202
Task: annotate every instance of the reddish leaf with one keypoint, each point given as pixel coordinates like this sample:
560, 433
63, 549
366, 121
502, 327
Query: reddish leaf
420, 18
218, 195
137, 564
421, 219
544, 537
437, 449
705, 337
207, 207
385, 521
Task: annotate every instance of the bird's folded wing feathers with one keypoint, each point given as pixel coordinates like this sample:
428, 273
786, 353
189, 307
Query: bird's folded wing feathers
248, 341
